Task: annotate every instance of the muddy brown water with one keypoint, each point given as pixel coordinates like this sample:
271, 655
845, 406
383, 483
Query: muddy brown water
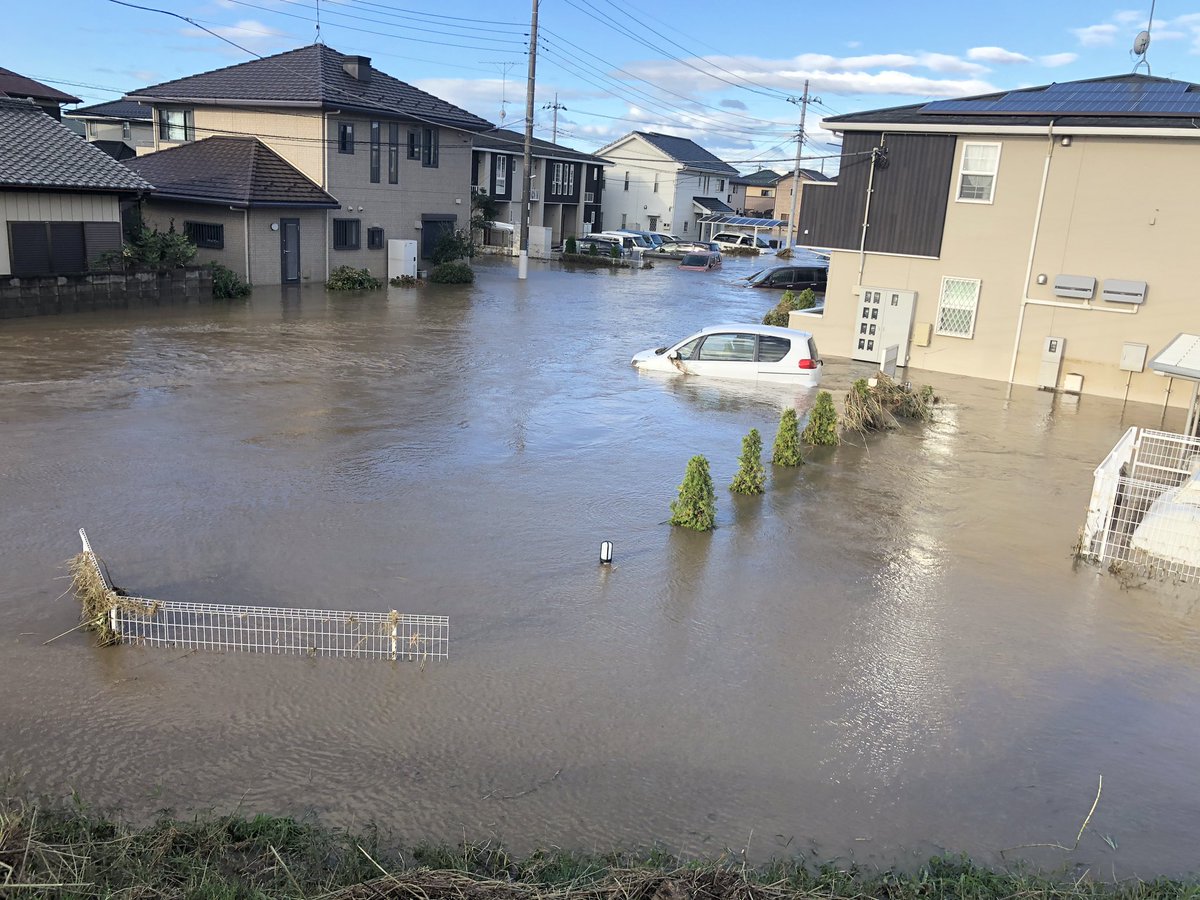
888, 655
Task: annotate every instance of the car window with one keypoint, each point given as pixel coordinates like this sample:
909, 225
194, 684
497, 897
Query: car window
783, 276
694, 259
728, 348
688, 350
772, 348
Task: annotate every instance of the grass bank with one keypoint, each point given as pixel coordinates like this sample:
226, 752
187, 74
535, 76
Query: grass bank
70, 851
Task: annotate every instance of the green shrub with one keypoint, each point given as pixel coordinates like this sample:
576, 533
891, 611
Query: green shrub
614, 251
452, 273
806, 299
451, 246
405, 281
348, 278
593, 250
227, 284
149, 248
751, 476
570, 246
786, 451
822, 427
696, 507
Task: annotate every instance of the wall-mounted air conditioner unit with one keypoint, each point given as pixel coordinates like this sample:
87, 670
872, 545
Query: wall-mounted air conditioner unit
1118, 291
1077, 287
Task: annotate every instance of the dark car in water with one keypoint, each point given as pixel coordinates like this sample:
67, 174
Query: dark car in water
793, 278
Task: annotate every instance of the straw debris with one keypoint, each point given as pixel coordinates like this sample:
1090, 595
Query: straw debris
97, 600
878, 406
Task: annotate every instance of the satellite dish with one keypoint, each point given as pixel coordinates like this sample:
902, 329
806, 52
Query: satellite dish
1141, 43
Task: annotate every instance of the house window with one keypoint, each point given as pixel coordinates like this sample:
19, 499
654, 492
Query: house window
393, 153
501, 174
626, 179
720, 185
570, 178
375, 152
766, 192
957, 307
176, 125
205, 234
556, 180
977, 175
429, 147
374, 238
623, 219
705, 181
345, 137
685, 227
126, 131
346, 234
414, 144
656, 182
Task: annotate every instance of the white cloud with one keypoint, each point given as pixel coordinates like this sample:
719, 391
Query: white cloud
1096, 35
944, 62
1129, 17
1054, 60
996, 55
249, 33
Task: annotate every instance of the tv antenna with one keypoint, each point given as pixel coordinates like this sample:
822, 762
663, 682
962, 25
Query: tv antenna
1141, 44
504, 67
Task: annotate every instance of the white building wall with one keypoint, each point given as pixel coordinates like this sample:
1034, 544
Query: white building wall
36, 206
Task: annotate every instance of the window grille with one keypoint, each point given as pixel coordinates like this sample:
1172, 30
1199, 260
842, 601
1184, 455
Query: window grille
957, 307
205, 234
374, 238
346, 234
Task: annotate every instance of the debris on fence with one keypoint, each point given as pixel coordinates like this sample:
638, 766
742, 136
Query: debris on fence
116, 617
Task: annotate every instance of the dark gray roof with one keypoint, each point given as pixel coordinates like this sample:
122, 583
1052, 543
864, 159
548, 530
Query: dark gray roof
116, 149
18, 86
688, 152
762, 178
115, 109
232, 171
38, 152
712, 205
311, 76
925, 113
514, 142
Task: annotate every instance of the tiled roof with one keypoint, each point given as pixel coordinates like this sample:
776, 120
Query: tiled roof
687, 152
116, 149
712, 205
1118, 117
114, 109
514, 142
14, 85
312, 76
232, 171
38, 152
762, 178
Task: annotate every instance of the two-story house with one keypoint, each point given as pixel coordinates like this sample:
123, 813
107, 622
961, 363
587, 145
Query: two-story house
990, 235
567, 186
662, 183
787, 185
60, 197
397, 159
754, 194
119, 127
18, 87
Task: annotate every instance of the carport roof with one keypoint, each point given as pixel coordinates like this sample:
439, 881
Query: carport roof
744, 221
1180, 358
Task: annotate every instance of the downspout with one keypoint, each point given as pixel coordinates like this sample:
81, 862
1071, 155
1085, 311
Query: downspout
325, 183
246, 223
862, 241
1026, 300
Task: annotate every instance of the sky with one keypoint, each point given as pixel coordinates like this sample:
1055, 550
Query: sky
727, 75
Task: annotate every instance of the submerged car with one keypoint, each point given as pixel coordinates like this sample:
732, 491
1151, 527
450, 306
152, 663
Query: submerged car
814, 275
732, 240
761, 353
700, 262
680, 249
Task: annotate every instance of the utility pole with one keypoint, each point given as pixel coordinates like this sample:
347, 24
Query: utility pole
803, 102
523, 258
556, 106
504, 66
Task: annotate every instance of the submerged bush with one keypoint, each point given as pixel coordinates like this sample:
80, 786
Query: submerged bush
786, 451
822, 427
405, 281
227, 284
751, 476
696, 507
452, 273
348, 278
451, 246
789, 302
570, 245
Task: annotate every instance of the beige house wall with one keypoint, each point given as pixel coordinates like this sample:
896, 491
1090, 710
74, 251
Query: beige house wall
163, 214
296, 136
1113, 208
41, 206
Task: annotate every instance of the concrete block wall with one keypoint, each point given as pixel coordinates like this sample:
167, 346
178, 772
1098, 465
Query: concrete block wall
50, 295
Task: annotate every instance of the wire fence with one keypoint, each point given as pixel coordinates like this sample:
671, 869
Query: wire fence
1144, 517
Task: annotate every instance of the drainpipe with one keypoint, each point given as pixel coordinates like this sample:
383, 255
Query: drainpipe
246, 223
1026, 300
862, 241
325, 184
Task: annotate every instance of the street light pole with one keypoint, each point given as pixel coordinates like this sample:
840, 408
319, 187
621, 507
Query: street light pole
523, 259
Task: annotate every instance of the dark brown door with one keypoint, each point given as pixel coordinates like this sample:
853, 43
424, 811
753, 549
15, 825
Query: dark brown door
289, 250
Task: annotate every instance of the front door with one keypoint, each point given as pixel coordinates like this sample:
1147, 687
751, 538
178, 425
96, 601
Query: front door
289, 250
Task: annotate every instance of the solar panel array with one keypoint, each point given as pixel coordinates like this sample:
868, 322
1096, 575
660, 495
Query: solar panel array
1088, 98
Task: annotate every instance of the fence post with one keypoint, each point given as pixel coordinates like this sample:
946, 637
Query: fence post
112, 621
394, 627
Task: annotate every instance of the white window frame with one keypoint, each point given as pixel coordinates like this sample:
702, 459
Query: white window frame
501, 173
962, 171
974, 307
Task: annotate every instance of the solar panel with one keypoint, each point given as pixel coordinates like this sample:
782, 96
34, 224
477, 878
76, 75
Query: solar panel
1126, 98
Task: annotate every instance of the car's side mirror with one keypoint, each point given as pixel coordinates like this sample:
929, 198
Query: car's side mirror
674, 354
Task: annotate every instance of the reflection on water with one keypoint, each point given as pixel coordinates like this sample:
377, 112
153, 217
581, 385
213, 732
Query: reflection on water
887, 654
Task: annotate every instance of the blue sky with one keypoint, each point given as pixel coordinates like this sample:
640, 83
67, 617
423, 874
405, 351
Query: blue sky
720, 73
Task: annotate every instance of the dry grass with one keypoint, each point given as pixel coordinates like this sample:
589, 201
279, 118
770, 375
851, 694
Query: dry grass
878, 407
95, 598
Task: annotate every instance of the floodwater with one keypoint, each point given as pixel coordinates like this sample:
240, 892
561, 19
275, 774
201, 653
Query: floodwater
888, 655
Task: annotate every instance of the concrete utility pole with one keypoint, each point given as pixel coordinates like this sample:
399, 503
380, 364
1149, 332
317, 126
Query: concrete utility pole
556, 106
523, 259
803, 102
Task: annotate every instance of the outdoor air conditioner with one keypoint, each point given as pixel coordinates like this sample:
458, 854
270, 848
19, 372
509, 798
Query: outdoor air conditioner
1118, 291
1077, 287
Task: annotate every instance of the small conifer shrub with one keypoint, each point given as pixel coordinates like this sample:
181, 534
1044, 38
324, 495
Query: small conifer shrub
751, 476
786, 451
822, 427
696, 507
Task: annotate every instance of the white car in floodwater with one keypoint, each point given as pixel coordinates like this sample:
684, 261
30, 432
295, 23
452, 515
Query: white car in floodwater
761, 353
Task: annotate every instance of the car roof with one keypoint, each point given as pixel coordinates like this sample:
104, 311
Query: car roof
745, 328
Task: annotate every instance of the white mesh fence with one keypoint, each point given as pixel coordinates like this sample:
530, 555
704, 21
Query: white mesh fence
1145, 513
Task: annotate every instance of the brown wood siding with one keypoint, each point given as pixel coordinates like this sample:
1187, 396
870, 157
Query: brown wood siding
908, 206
